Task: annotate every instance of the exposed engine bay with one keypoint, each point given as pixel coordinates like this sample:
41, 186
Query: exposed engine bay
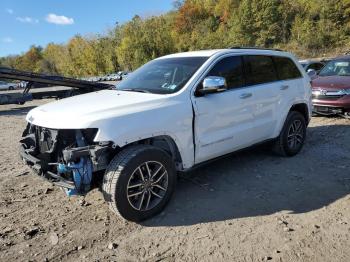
68, 158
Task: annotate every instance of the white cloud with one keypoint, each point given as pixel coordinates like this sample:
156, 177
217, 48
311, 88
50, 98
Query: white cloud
59, 19
7, 40
27, 19
9, 11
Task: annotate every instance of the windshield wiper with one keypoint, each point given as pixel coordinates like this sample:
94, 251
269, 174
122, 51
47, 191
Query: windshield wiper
134, 90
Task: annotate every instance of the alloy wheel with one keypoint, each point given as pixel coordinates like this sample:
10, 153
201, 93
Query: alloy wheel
295, 134
147, 185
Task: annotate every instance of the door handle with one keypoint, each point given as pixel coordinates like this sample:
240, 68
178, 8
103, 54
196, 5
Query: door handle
284, 87
245, 95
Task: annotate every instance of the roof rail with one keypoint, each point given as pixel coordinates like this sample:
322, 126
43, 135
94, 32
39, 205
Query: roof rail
257, 48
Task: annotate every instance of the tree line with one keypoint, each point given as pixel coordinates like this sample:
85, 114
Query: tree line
305, 27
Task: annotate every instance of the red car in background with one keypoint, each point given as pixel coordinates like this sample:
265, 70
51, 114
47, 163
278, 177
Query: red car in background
331, 88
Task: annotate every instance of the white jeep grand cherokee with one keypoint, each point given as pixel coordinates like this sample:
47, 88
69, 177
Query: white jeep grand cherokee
170, 115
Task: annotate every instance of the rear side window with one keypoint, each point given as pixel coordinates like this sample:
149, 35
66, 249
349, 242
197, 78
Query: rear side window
232, 69
286, 69
259, 70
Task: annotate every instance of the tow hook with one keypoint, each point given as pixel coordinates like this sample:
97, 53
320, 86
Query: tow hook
82, 175
81, 171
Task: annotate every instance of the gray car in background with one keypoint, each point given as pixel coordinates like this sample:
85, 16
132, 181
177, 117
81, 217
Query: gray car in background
7, 86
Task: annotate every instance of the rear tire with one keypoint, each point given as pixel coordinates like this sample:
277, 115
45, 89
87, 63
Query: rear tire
139, 182
292, 136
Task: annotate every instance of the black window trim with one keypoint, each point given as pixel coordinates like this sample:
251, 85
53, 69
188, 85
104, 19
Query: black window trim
218, 59
244, 84
274, 68
288, 79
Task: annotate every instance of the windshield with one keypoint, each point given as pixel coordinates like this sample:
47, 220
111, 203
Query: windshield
163, 76
336, 68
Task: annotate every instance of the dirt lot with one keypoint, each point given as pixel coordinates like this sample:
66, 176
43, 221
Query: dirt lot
250, 206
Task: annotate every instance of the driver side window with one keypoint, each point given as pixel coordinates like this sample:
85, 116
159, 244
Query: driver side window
232, 69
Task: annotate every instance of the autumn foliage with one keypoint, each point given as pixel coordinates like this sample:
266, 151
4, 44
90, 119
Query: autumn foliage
306, 27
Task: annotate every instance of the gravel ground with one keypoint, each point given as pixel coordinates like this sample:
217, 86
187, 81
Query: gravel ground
249, 206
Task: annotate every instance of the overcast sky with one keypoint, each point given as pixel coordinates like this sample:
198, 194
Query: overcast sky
24, 23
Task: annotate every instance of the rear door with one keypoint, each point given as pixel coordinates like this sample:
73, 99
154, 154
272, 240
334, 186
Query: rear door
263, 80
291, 83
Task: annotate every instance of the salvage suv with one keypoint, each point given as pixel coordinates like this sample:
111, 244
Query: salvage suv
170, 115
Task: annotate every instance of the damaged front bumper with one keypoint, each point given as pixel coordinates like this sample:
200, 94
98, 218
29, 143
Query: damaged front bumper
40, 168
66, 158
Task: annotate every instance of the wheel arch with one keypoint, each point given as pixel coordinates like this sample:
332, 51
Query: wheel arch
164, 142
303, 109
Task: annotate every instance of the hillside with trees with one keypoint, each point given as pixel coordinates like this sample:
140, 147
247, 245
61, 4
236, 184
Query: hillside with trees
309, 28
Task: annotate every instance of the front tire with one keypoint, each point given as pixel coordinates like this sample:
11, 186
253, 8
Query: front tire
292, 136
139, 182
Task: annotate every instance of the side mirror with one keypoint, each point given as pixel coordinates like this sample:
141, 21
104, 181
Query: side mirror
312, 73
212, 84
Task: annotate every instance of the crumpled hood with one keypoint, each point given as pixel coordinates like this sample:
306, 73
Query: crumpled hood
331, 82
84, 110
